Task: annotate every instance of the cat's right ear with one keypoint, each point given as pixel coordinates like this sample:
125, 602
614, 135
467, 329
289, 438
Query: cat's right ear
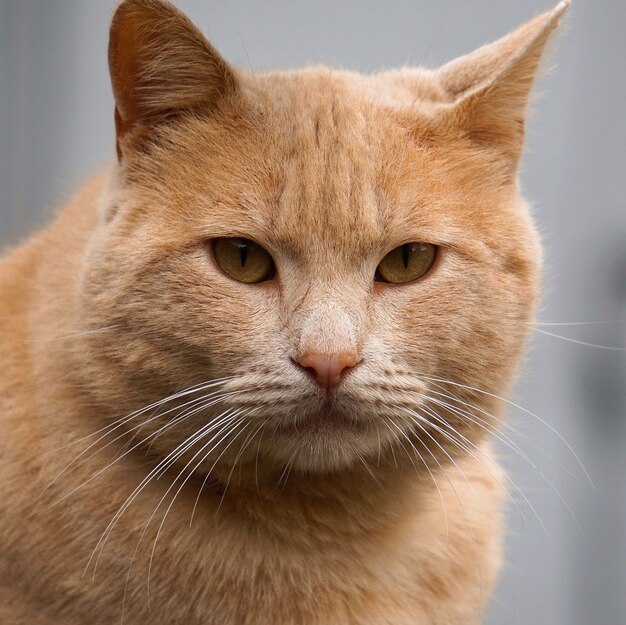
161, 66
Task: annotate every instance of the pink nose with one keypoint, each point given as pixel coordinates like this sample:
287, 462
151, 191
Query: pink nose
327, 367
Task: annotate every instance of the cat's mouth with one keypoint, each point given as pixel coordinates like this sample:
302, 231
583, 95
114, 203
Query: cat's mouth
325, 438
326, 420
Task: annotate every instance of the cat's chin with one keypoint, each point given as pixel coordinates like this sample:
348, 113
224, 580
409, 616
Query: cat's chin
324, 441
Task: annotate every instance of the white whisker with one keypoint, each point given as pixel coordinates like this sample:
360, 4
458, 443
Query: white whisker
229, 421
118, 457
574, 323
467, 447
179, 450
423, 461
495, 433
525, 410
245, 444
579, 342
240, 419
212, 396
423, 429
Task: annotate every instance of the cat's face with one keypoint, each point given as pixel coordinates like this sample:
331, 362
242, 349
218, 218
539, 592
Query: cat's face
328, 172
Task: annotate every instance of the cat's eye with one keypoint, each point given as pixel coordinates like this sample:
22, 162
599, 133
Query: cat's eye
406, 263
243, 260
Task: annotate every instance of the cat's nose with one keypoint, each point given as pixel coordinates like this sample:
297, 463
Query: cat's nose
327, 368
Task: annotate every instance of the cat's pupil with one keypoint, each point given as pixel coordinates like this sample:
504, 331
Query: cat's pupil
406, 252
243, 252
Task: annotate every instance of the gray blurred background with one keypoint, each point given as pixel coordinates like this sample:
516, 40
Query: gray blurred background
56, 128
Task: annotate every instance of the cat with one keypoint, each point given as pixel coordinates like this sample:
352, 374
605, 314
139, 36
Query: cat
250, 373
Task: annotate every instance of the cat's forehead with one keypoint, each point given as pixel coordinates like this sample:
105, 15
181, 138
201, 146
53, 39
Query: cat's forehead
339, 147
326, 90
316, 160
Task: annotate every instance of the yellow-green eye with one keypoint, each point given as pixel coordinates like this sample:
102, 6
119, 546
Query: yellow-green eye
406, 263
243, 260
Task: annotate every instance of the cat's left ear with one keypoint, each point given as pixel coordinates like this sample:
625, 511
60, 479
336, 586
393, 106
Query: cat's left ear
490, 87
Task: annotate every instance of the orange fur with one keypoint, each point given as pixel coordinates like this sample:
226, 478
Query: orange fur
362, 517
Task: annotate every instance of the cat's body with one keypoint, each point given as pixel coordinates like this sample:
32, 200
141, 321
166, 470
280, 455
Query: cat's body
331, 520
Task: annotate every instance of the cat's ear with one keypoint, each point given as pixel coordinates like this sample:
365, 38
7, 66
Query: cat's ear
490, 88
161, 66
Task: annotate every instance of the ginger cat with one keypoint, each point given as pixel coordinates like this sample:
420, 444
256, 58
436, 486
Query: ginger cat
249, 375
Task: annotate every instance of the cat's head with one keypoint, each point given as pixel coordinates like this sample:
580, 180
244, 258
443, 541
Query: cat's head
343, 253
